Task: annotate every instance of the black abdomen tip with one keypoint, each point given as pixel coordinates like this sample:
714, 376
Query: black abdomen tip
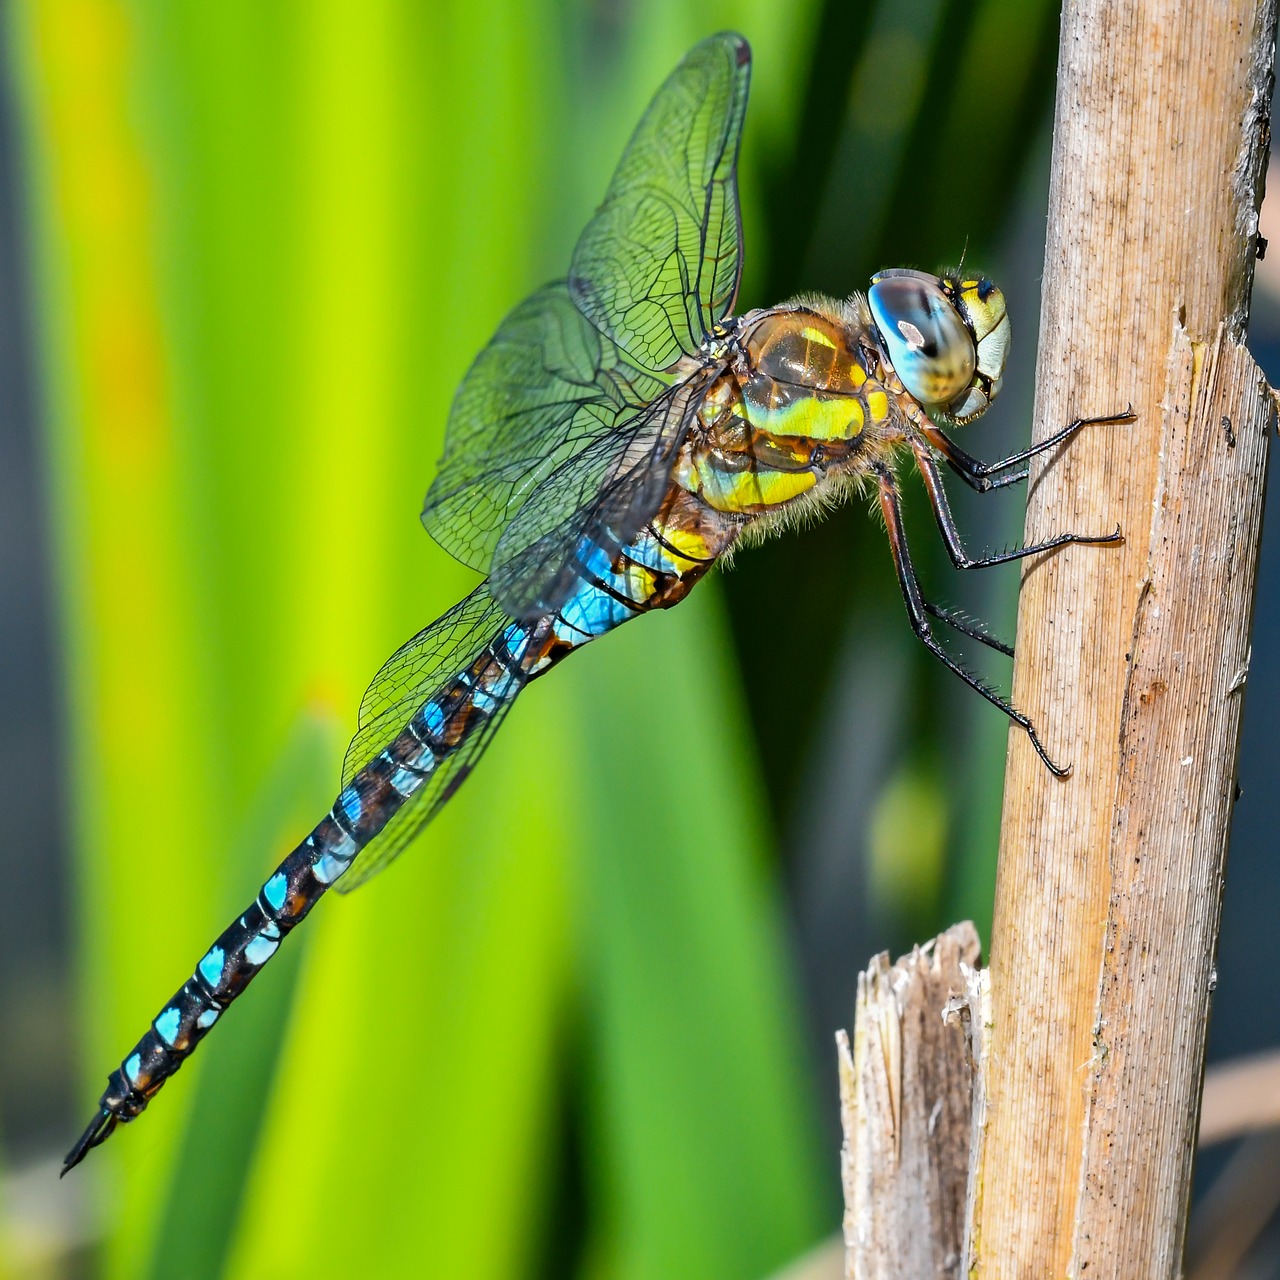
99, 1131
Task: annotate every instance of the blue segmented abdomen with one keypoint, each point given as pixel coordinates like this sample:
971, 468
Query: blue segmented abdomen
360, 813
428, 758
613, 590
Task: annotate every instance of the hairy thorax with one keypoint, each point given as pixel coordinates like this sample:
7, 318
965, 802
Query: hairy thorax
799, 413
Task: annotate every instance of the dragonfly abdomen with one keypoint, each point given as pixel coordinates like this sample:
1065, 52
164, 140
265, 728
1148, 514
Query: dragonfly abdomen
363, 808
656, 569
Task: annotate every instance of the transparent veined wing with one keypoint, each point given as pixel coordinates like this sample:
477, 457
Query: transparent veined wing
599, 499
419, 669
658, 266
554, 411
548, 387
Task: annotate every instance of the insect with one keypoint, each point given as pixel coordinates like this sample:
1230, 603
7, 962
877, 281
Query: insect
617, 436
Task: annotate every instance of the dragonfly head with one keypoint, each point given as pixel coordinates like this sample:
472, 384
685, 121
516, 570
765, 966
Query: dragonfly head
947, 338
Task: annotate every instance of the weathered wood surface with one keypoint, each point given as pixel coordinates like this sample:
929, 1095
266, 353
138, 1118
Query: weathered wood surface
918, 1066
1131, 660
906, 1094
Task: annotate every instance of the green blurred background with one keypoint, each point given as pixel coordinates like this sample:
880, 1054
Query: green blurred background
584, 1030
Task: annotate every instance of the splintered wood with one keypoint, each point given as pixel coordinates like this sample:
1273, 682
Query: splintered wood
907, 1101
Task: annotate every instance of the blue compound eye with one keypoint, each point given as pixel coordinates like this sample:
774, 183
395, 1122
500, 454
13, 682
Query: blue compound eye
924, 336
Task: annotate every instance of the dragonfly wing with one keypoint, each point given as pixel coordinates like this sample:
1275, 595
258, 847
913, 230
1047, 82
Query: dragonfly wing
548, 386
657, 268
418, 670
598, 499
566, 426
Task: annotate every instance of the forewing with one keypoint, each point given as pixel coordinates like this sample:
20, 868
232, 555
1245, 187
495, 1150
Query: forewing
547, 387
566, 426
416, 671
657, 268
598, 499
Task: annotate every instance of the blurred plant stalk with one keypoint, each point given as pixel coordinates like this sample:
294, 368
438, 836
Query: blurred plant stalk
268, 241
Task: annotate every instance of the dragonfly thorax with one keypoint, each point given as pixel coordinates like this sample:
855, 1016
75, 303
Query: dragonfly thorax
798, 402
810, 346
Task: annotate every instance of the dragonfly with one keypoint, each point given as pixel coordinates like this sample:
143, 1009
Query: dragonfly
619, 434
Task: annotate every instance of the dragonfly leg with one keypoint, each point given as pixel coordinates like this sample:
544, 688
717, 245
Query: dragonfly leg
967, 626
918, 614
985, 476
951, 535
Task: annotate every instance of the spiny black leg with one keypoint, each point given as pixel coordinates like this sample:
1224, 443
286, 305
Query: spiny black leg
979, 476
951, 535
970, 627
983, 476
918, 614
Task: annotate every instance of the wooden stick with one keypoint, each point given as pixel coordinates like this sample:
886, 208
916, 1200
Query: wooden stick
906, 1095
1131, 660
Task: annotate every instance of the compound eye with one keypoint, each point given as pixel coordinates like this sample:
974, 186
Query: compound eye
923, 334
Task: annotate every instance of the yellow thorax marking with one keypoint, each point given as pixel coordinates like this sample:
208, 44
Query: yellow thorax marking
747, 491
811, 334
815, 418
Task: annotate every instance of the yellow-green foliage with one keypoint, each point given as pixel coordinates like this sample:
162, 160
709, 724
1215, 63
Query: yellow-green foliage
269, 237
